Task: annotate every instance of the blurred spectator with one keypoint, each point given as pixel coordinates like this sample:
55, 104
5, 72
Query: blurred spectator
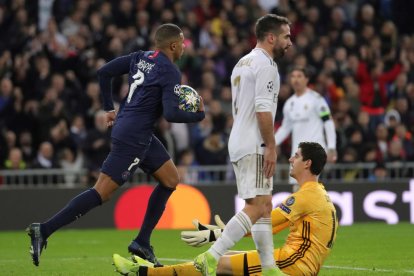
186, 160
6, 99
372, 79
15, 160
96, 146
26, 146
78, 130
396, 151
406, 139
350, 156
71, 162
60, 138
212, 150
181, 135
45, 157
163, 133
381, 135
379, 173
11, 140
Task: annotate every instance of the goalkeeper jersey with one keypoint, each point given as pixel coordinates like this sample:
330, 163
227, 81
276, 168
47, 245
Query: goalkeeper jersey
313, 225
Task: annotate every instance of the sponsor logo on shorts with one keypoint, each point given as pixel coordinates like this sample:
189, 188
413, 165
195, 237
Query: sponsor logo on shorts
125, 175
285, 208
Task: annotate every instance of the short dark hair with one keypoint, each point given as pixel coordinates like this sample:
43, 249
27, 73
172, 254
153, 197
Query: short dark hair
316, 153
302, 69
165, 33
269, 23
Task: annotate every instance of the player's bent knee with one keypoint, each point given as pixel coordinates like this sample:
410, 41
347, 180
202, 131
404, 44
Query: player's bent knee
168, 175
105, 187
171, 183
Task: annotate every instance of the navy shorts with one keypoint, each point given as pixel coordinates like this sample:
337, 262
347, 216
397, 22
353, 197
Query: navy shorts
123, 159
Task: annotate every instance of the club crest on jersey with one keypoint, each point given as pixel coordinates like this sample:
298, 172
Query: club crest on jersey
270, 86
290, 201
177, 88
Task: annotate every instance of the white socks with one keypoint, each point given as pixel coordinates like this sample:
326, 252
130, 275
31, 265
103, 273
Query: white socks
238, 226
263, 238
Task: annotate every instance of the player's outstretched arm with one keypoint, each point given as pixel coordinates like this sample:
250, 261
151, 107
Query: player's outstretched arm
208, 233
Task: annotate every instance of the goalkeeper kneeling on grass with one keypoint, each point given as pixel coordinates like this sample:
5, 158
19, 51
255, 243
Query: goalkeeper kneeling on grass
309, 214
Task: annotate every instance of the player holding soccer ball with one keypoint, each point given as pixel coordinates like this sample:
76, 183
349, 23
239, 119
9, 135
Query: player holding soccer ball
154, 90
309, 214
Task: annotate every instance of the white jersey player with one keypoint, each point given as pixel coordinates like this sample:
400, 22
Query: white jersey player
306, 115
252, 148
255, 87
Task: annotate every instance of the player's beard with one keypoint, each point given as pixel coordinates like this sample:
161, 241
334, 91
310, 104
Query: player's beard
278, 52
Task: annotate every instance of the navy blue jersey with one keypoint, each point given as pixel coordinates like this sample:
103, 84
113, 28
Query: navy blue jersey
153, 84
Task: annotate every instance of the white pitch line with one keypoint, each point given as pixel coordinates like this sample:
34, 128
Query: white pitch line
366, 269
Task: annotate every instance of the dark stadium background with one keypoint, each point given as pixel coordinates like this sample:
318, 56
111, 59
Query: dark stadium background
360, 54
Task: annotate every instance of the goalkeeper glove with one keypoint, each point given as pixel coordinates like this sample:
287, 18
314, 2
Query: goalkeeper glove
199, 226
206, 232
200, 238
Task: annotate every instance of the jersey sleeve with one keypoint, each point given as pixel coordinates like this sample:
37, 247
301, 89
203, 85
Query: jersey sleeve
324, 113
171, 80
322, 109
116, 67
295, 206
266, 77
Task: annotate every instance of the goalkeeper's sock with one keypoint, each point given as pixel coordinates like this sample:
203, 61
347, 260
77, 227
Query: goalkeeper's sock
155, 209
238, 226
263, 239
76, 208
185, 269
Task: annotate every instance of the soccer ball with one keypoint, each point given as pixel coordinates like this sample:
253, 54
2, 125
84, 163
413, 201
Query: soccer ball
188, 99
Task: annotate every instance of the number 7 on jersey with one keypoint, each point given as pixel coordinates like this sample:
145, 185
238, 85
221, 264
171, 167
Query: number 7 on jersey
138, 80
236, 84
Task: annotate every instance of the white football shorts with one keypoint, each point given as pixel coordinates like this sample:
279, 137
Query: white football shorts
250, 178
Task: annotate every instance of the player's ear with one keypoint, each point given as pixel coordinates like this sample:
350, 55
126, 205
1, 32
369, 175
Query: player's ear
308, 163
271, 38
173, 46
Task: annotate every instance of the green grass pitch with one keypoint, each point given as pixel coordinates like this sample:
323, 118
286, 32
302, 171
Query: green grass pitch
361, 249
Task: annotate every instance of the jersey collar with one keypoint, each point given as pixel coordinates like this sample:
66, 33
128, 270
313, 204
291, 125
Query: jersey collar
264, 52
310, 184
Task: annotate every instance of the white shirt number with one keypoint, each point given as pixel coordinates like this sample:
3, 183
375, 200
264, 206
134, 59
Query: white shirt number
138, 80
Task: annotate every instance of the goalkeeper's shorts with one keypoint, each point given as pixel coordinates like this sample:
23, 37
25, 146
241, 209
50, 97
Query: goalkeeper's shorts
248, 263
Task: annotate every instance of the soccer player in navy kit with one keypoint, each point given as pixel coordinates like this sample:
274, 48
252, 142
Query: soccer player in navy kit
154, 83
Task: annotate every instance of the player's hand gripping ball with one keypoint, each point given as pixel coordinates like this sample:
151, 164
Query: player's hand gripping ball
188, 99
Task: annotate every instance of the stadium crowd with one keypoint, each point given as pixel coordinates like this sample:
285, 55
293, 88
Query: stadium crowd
360, 55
